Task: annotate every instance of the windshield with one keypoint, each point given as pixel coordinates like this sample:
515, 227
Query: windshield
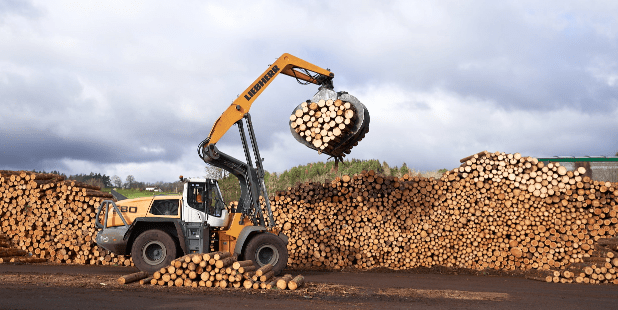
216, 204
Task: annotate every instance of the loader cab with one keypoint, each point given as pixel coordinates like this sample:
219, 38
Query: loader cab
202, 202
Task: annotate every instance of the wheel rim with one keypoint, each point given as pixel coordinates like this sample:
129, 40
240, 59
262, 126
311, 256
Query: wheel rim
267, 254
154, 252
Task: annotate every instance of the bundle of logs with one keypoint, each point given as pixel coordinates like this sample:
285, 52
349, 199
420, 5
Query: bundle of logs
219, 269
325, 124
48, 217
497, 210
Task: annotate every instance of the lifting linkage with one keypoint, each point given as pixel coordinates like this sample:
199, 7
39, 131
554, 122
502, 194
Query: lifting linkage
251, 178
259, 170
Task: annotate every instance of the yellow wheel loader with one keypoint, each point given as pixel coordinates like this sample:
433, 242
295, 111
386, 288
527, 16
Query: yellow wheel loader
155, 230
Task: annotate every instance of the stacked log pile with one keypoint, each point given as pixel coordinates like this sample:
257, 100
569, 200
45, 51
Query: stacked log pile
497, 210
10, 254
221, 269
600, 267
325, 124
51, 218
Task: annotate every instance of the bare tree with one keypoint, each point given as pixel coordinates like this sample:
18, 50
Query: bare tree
95, 182
216, 173
129, 181
116, 181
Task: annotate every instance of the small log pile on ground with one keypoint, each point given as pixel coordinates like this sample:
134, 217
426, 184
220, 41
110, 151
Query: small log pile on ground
497, 210
325, 124
221, 269
51, 218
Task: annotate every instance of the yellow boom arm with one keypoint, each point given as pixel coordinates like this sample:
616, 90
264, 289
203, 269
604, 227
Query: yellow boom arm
284, 64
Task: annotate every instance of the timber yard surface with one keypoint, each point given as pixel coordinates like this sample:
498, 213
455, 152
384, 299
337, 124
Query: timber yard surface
53, 286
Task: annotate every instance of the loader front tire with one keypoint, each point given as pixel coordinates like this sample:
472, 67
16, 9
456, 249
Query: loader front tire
152, 250
265, 248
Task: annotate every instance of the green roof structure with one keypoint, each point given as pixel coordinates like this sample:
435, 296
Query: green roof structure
573, 159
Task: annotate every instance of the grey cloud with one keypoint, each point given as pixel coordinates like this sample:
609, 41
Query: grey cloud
514, 62
19, 7
45, 120
29, 147
140, 90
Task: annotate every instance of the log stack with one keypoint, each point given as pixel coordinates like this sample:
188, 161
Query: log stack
497, 210
51, 218
10, 254
326, 124
600, 267
217, 269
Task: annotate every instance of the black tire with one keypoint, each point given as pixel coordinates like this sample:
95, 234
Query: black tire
153, 250
265, 248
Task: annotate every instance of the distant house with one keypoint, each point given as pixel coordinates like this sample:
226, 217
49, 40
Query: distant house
153, 189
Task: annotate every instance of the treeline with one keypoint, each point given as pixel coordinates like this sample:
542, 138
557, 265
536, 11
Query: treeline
319, 172
95, 179
105, 181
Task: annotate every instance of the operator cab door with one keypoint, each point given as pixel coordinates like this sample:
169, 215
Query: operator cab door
203, 203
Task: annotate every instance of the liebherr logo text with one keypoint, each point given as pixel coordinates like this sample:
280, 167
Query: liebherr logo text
262, 82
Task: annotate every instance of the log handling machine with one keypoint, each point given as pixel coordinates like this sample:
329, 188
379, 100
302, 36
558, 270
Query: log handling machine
155, 230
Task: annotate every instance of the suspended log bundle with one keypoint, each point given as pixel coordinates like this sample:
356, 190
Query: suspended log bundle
326, 124
497, 210
218, 269
51, 218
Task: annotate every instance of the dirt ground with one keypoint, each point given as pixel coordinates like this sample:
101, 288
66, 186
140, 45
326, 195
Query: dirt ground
48, 286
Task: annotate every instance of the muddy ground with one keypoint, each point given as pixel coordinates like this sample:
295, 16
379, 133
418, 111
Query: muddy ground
48, 286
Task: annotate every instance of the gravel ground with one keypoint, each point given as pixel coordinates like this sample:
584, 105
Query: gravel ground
49, 286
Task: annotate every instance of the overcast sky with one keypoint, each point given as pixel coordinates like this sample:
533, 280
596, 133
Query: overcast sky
132, 87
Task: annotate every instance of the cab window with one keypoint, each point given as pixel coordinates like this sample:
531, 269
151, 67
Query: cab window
164, 207
196, 196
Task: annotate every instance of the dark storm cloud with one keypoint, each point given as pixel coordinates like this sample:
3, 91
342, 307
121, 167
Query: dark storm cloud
45, 119
29, 147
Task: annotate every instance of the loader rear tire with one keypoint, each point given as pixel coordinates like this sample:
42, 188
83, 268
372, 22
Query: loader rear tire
265, 249
153, 250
